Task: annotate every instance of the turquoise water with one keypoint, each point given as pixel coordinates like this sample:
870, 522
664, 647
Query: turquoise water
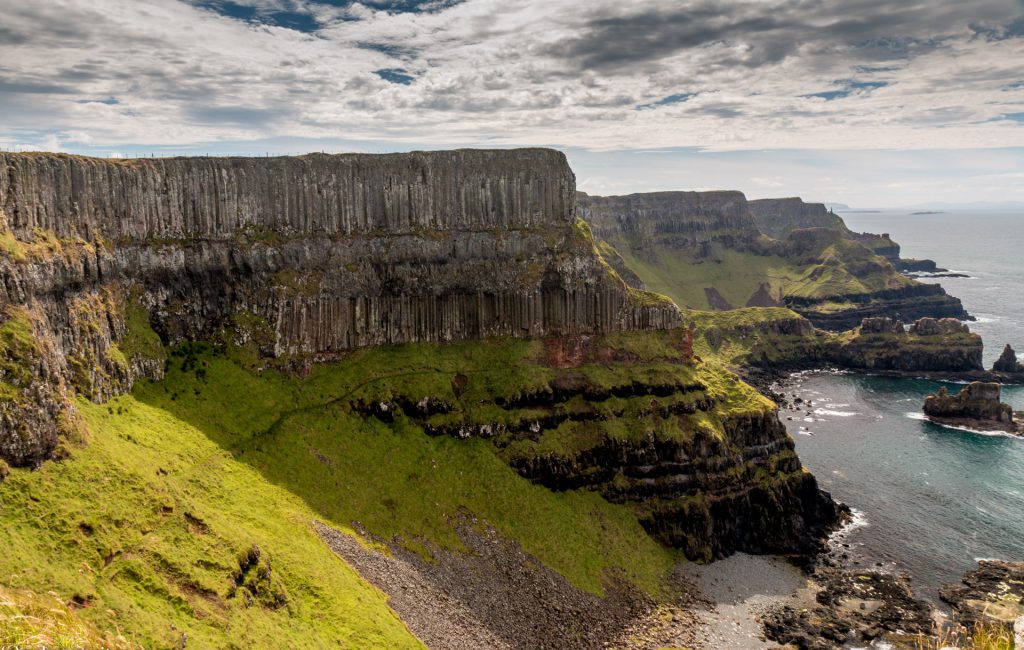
931, 500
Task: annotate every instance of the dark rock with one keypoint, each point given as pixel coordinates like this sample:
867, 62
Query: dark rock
716, 300
1008, 362
881, 325
779, 217
910, 302
853, 607
905, 265
763, 297
976, 406
992, 593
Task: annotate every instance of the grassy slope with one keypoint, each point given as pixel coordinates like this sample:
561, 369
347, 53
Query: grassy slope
736, 337
146, 523
737, 275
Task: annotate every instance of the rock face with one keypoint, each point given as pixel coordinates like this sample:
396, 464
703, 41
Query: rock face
779, 217
928, 345
700, 458
695, 222
993, 593
1008, 362
917, 300
977, 405
305, 256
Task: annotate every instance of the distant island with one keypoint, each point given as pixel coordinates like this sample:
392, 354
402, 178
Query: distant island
922, 212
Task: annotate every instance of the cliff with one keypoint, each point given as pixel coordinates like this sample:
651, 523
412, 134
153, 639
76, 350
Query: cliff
712, 251
308, 256
779, 217
770, 341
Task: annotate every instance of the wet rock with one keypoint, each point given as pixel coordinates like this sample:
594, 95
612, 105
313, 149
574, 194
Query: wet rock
991, 593
853, 607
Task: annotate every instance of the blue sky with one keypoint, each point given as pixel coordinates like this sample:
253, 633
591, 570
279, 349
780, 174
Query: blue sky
861, 101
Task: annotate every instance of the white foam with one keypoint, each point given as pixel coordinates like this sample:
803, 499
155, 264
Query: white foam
838, 414
995, 434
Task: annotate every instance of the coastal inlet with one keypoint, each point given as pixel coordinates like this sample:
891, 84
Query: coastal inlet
930, 499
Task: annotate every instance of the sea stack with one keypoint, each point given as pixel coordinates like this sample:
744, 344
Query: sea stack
977, 406
1007, 362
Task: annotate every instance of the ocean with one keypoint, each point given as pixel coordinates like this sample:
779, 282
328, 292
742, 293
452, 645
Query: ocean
929, 500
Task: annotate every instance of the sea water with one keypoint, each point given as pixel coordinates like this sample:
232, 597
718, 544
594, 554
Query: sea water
929, 499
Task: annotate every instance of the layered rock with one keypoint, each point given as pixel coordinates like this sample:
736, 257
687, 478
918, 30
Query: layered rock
976, 406
928, 345
308, 256
694, 222
700, 458
845, 311
779, 217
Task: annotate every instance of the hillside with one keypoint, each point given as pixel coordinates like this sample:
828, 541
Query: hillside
217, 371
712, 251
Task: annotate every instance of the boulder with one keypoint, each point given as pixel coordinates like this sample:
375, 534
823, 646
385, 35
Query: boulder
881, 325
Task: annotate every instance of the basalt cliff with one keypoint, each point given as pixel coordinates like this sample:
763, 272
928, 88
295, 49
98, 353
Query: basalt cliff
109, 265
718, 251
309, 256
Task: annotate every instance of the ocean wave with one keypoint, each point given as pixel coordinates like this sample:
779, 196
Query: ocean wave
838, 414
994, 434
857, 520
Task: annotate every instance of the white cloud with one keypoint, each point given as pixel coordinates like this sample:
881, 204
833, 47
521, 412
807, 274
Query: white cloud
107, 75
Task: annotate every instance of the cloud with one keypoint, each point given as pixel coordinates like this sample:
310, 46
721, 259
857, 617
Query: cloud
603, 75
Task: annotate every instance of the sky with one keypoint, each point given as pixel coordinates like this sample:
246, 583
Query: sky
863, 102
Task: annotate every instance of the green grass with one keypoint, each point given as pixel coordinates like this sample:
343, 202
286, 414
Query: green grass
394, 479
843, 268
145, 525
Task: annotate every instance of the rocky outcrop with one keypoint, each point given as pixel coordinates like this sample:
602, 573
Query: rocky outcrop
881, 245
976, 406
991, 594
301, 257
909, 302
928, 345
780, 341
1008, 362
852, 609
779, 217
